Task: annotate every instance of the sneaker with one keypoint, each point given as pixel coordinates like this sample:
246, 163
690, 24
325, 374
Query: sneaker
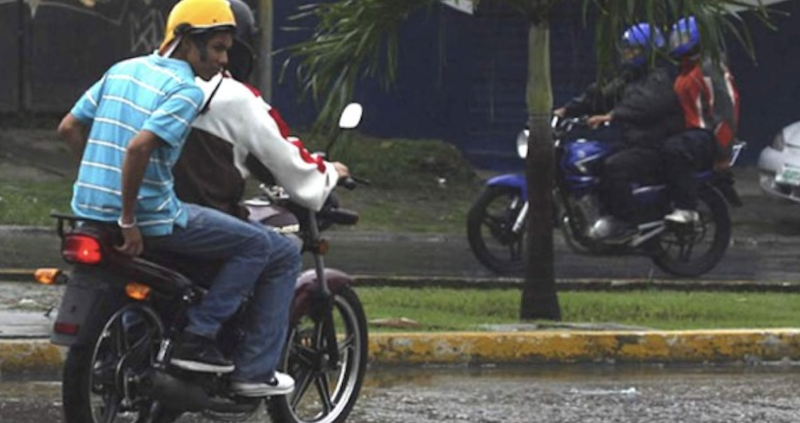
281, 384
199, 354
682, 216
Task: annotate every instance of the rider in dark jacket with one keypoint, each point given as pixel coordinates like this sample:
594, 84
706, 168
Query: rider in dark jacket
644, 105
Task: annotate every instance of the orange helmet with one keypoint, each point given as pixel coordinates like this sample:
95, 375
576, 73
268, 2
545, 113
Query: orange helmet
190, 17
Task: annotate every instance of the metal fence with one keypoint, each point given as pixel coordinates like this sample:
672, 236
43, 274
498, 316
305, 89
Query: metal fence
54, 49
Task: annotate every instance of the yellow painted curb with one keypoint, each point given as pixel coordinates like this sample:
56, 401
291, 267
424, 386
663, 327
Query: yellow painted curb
544, 347
563, 347
29, 355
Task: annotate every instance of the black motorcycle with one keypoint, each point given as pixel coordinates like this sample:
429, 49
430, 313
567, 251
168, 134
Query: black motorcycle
119, 317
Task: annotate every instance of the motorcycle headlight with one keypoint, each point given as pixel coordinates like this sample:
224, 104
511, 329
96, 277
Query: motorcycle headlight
522, 143
778, 143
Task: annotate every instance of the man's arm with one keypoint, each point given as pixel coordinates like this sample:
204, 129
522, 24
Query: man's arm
74, 133
136, 158
653, 100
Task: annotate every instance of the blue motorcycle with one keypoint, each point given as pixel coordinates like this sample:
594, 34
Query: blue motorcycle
496, 223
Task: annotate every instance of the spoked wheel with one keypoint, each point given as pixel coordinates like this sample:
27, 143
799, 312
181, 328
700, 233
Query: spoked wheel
490, 229
692, 250
325, 390
103, 378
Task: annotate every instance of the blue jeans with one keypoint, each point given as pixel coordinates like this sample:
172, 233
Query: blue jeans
259, 262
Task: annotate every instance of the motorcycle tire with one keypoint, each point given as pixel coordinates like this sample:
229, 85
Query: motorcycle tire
676, 251
489, 230
324, 392
122, 346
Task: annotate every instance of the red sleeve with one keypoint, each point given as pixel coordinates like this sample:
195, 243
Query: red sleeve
286, 134
284, 128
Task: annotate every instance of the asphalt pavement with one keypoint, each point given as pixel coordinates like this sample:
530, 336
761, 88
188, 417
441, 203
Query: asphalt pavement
763, 227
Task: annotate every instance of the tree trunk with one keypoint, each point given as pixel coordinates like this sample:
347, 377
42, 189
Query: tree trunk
539, 298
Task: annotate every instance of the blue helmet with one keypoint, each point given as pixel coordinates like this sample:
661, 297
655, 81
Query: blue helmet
684, 37
640, 40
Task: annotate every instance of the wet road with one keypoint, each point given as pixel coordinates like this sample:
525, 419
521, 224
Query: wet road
766, 237
447, 255
531, 394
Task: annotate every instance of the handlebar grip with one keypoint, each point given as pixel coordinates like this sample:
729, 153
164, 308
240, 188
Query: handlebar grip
351, 182
348, 183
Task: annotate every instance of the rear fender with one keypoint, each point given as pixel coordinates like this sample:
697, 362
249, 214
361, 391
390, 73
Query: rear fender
91, 294
514, 180
724, 183
307, 290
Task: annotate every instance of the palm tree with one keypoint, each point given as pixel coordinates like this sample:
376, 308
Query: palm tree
358, 38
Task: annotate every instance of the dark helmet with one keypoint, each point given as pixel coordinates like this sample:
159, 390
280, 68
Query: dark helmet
639, 40
684, 38
241, 56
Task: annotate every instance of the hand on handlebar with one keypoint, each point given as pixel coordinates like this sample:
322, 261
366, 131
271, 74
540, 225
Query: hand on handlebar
597, 120
342, 169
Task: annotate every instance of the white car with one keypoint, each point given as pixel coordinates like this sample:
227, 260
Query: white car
779, 165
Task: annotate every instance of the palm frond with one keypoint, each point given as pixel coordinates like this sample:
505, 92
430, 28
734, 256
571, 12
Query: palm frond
350, 40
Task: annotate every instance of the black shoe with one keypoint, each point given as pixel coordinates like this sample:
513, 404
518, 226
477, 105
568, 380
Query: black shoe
199, 354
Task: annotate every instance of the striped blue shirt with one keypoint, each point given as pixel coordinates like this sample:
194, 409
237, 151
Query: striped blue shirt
150, 93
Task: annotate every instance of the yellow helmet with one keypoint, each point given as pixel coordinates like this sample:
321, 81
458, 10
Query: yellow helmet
195, 17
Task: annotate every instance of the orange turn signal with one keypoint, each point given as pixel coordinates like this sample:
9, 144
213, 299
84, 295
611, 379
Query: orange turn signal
137, 291
47, 276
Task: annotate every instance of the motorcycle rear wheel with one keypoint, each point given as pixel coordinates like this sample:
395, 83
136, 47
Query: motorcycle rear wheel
677, 250
489, 229
99, 379
324, 392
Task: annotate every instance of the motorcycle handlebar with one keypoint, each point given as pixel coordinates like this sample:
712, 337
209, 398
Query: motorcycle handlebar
351, 182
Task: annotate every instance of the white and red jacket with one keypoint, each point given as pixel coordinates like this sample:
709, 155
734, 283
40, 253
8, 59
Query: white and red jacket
239, 135
709, 100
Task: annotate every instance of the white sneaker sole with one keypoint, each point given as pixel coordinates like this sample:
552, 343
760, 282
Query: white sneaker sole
195, 366
265, 392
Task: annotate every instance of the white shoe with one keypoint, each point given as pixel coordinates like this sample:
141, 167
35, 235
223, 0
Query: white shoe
281, 384
682, 216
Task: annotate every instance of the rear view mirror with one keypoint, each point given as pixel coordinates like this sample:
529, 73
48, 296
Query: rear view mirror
351, 116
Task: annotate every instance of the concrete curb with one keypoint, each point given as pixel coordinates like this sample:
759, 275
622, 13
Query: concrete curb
30, 355
575, 347
535, 347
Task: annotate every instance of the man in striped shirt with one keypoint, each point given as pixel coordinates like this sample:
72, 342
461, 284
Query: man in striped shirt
138, 116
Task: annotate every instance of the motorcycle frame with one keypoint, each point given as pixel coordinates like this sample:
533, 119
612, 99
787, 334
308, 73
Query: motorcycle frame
94, 286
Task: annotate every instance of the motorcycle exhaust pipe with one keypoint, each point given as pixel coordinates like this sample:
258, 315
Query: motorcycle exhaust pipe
176, 393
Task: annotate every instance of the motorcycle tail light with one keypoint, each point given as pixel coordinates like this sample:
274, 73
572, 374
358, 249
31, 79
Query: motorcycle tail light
66, 328
81, 249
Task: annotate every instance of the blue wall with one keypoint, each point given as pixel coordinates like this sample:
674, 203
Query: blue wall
462, 79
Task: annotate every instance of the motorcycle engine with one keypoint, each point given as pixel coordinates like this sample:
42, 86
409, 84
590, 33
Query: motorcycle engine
587, 212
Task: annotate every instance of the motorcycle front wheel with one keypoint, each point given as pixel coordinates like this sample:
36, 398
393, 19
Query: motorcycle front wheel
101, 379
693, 250
490, 229
325, 391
